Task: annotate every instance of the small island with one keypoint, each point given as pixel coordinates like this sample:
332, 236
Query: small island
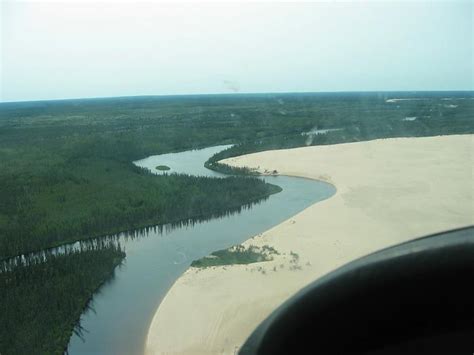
162, 168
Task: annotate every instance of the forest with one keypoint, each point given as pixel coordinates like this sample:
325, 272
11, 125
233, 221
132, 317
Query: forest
41, 301
84, 204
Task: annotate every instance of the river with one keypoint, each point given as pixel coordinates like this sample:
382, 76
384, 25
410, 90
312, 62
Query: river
123, 308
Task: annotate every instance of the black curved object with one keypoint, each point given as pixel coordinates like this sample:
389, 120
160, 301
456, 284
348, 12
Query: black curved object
416, 297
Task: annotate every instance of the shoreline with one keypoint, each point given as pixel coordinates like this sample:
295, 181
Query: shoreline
215, 309
193, 270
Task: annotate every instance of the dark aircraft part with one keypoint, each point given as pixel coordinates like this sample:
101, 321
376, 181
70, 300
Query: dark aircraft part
416, 297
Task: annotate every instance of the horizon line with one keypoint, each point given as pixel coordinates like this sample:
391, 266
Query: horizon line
237, 94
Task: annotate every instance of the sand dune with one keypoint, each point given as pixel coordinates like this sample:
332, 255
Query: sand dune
388, 191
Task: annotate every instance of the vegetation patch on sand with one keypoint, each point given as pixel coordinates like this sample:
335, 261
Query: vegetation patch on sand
237, 254
162, 167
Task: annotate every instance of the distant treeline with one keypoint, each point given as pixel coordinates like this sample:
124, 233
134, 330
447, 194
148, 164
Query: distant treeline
42, 300
371, 118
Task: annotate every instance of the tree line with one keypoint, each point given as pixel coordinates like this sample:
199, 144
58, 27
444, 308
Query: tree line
42, 299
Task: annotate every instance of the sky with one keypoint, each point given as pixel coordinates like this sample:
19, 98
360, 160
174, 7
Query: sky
58, 50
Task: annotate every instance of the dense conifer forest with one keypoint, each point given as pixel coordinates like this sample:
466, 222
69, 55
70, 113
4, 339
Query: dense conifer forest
51, 214
42, 299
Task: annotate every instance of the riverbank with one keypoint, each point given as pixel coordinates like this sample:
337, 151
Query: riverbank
388, 191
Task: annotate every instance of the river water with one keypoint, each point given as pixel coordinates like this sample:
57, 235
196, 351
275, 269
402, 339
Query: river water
123, 308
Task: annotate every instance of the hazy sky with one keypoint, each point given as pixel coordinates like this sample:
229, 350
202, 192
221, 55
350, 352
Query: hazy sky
70, 49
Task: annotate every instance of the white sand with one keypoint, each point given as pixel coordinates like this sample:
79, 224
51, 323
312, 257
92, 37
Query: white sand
389, 191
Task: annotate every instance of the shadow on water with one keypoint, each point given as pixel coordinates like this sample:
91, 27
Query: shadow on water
125, 236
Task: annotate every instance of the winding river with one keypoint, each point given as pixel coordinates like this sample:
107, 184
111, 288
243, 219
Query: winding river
123, 308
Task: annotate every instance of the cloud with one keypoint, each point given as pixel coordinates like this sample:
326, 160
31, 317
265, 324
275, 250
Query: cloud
232, 85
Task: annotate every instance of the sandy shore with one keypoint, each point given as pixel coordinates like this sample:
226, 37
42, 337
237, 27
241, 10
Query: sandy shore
388, 191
